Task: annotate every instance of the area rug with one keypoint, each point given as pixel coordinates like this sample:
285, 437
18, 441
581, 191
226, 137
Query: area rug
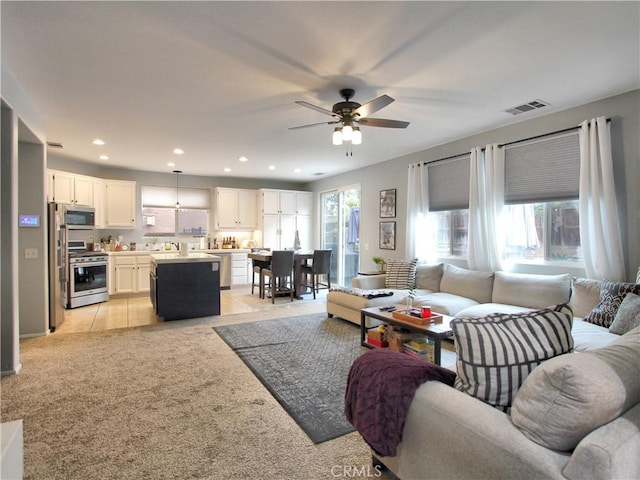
304, 362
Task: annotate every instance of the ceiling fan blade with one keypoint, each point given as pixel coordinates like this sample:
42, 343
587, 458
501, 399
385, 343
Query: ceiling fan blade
316, 108
373, 106
382, 122
311, 125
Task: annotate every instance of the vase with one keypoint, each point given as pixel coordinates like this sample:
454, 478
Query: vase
409, 303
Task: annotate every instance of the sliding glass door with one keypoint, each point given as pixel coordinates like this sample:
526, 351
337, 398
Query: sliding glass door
340, 232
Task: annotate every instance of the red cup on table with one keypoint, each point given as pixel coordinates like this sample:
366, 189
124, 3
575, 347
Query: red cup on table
425, 312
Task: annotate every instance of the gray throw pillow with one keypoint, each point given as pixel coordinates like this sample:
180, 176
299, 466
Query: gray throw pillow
567, 397
497, 352
628, 315
611, 296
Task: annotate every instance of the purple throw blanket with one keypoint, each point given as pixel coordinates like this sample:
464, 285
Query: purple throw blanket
380, 388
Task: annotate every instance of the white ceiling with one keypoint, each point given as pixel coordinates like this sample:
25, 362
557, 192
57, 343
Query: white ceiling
219, 79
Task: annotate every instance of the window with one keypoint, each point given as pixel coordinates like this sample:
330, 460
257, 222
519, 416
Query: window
543, 232
452, 232
160, 218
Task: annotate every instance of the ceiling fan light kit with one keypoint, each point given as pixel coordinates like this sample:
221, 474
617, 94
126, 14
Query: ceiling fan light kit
350, 115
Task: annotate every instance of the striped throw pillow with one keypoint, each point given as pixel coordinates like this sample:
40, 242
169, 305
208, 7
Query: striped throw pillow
401, 273
497, 352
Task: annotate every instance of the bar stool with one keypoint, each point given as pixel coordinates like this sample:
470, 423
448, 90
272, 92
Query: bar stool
280, 275
321, 265
257, 266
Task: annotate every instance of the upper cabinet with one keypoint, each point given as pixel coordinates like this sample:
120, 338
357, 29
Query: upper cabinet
65, 187
120, 200
287, 202
236, 209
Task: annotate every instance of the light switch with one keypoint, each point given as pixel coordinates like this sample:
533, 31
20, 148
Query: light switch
30, 253
366, 246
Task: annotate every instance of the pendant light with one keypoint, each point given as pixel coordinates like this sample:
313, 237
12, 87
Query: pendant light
177, 172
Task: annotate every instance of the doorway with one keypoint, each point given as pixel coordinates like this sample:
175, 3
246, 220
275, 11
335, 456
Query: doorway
340, 232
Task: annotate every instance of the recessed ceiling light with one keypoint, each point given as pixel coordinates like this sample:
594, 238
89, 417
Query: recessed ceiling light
104, 157
296, 170
178, 151
243, 159
227, 169
171, 164
272, 167
97, 141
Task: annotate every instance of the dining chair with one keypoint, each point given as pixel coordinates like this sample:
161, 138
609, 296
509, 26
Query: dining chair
320, 265
279, 275
257, 266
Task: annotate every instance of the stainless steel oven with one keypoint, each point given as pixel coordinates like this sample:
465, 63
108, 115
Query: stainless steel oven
88, 282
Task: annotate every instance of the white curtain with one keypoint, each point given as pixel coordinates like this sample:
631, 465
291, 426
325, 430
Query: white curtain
599, 223
486, 202
421, 236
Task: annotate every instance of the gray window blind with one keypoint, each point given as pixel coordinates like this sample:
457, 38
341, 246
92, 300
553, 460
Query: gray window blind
161, 196
543, 170
449, 184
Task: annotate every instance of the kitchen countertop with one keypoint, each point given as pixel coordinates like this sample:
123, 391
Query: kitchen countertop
192, 257
173, 252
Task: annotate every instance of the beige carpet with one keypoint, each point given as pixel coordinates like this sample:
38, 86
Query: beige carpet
162, 401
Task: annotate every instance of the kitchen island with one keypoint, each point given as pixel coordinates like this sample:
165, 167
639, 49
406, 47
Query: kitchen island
185, 286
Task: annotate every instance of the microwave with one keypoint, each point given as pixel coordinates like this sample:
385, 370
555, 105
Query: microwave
78, 218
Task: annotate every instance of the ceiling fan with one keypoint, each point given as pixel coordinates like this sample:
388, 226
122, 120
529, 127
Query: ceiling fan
350, 115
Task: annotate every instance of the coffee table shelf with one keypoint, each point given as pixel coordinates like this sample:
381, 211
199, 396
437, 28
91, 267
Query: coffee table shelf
435, 331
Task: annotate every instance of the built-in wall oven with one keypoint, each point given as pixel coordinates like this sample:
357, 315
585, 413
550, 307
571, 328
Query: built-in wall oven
87, 283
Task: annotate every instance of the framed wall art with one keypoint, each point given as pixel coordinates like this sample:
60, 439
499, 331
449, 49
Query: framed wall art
387, 235
388, 203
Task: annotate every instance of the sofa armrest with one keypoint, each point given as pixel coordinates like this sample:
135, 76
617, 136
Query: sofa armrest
449, 434
368, 282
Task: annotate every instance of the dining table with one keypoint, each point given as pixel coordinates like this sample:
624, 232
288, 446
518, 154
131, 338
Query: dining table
300, 257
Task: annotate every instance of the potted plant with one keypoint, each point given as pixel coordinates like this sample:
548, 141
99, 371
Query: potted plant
380, 263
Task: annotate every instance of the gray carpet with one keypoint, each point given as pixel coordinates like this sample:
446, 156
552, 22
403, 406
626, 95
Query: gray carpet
166, 401
304, 362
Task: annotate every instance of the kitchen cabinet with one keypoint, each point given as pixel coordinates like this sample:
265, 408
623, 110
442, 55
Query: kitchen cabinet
65, 187
285, 202
239, 268
100, 202
185, 286
236, 209
120, 200
130, 273
283, 213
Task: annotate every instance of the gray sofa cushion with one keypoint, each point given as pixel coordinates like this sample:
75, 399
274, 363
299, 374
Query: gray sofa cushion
496, 353
428, 277
585, 295
474, 284
569, 396
443, 302
531, 290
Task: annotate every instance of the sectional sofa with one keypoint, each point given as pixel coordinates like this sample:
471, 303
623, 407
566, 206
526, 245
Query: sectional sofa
575, 416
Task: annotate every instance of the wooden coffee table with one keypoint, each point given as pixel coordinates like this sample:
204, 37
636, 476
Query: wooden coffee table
435, 331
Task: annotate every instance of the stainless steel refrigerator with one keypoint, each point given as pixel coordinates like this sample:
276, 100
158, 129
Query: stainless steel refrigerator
57, 266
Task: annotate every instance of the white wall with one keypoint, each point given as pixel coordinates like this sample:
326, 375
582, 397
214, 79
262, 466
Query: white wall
624, 112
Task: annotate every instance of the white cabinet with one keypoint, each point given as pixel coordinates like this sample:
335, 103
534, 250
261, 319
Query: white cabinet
100, 202
130, 273
120, 199
283, 213
288, 202
65, 187
239, 268
236, 209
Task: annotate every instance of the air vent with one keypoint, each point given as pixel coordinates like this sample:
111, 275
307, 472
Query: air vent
55, 144
527, 107
317, 174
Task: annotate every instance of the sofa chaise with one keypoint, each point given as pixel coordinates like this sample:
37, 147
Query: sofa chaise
576, 415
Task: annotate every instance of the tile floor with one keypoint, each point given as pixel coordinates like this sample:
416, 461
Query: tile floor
137, 311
